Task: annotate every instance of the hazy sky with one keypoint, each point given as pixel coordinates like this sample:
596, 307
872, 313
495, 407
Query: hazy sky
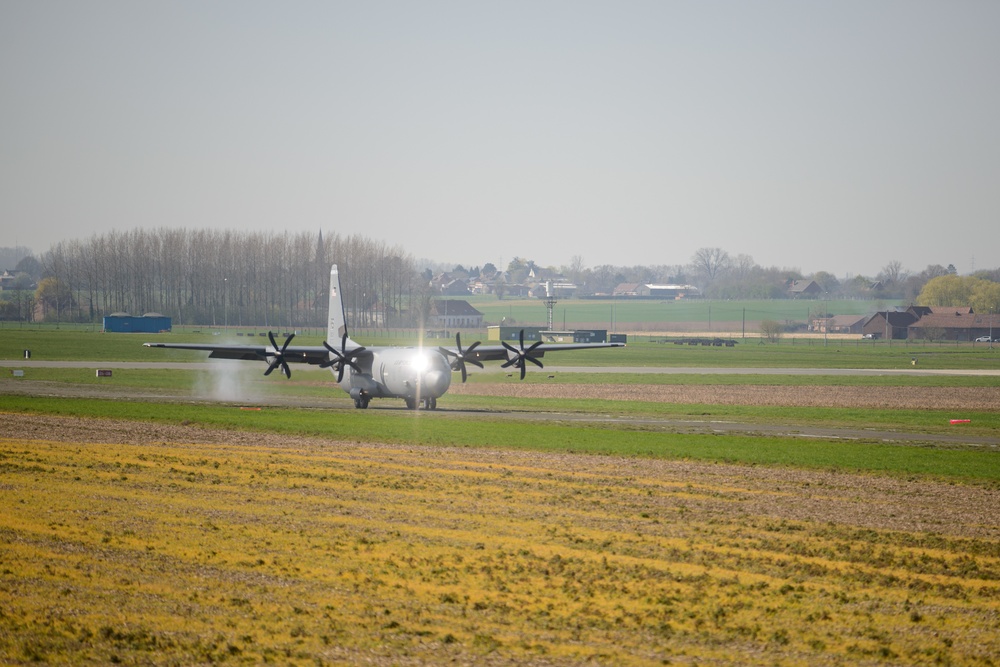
835, 136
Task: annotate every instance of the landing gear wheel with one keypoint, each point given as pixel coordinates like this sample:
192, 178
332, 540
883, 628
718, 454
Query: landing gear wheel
411, 403
361, 403
431, 403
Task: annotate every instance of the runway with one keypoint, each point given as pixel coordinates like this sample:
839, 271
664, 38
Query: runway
549, 368
338, 401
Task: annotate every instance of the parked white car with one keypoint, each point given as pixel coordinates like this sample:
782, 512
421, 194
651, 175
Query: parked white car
984, 339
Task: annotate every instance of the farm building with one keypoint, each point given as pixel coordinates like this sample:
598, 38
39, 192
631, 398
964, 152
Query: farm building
892, 324
553, 288
454, 314
125, 323
951, 324
841, 324
654, 291
930, 323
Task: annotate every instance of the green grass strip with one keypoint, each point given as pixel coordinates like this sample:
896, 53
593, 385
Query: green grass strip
935, 422
417, 428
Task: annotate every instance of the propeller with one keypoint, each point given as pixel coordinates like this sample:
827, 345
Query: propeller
462, 357
279, 355
343, 357
522, 355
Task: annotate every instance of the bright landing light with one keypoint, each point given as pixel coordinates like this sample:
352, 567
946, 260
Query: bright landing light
421, 363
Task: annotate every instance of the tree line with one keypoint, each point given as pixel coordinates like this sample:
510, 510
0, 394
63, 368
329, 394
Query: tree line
720, 275
211, 277
227, 277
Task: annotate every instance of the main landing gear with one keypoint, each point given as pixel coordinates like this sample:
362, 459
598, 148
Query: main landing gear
361, 403
361, 398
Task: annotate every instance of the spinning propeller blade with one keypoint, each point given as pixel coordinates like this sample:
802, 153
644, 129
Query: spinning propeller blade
343, 358
522, 355
462, 357
279, 356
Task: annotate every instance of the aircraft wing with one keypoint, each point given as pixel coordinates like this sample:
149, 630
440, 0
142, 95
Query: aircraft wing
306, 354
518, 357
500, 353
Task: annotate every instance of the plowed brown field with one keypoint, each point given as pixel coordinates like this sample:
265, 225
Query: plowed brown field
970, 398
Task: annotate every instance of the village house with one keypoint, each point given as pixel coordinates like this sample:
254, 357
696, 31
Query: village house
6, 278
454, 314
803, 289
450, 284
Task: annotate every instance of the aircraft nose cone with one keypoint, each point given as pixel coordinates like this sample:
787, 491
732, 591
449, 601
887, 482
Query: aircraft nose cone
436, 382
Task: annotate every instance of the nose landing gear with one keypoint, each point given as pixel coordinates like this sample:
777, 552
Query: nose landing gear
413, 403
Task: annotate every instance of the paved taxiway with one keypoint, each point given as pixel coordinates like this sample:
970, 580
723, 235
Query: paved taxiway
958, 439
550, 368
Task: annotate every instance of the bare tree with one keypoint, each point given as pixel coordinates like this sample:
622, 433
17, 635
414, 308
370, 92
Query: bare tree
893, 273
770, 330
216, 277
709, 264
575, 270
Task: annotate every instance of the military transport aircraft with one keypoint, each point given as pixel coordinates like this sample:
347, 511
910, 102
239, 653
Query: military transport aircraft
418, 375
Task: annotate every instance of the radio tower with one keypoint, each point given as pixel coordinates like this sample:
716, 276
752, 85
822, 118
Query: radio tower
550, 304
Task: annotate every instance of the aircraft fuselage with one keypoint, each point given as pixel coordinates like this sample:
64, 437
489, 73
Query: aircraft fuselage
417, 375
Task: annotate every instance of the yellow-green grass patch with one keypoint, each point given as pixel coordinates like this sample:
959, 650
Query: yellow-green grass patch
304, 551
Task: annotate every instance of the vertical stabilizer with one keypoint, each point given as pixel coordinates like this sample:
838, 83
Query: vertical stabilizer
337, 326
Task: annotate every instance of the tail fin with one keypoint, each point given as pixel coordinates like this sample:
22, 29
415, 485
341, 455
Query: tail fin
337, 326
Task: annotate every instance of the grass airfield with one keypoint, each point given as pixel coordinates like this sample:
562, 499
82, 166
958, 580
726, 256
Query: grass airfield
141, 533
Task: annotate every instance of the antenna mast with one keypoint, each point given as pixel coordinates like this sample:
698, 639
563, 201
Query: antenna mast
550, 304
